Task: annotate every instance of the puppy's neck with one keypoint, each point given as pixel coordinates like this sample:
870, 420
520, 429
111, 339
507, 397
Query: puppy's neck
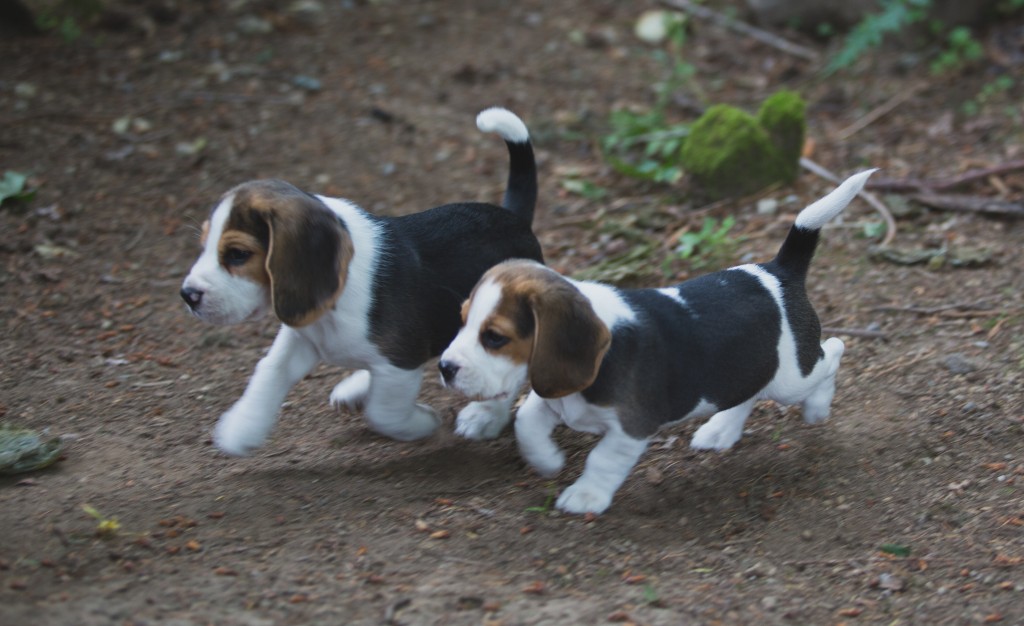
609, 306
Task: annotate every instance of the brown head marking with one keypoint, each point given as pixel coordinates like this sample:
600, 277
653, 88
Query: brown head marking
550, 325
280, 235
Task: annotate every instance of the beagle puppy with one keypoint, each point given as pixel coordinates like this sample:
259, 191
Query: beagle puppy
623, 363
356, 290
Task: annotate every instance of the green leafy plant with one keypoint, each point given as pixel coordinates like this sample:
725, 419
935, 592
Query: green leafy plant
961, 49
958, 44
650, 595
895, 16
645, 144
703, 247
14, 186
67, 16
990, 91
584, 188
895, 549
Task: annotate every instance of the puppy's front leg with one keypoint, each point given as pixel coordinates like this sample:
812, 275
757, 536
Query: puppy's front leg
534, 422
484, 419
608, 465
246, 425
391, 408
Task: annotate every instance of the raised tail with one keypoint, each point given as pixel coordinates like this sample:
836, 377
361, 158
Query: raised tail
797, 251
521, 190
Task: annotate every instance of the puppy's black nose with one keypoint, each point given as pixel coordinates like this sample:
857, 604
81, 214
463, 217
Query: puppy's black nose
448, 370
191, 296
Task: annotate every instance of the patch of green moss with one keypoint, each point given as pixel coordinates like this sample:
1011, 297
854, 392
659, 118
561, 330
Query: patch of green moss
731, 153
783, 115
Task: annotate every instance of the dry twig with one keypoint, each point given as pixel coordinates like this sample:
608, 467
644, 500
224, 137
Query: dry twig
912, 184
743, 28
970, 204
854, 332
880, 111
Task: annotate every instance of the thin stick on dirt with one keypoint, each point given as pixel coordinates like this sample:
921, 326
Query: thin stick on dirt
931, 310
743, 28
969, 204
878, 112
913, 184
870, 198
855, 332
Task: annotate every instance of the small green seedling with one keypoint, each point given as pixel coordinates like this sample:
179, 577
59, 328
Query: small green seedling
548, 502
105, 526
14, 186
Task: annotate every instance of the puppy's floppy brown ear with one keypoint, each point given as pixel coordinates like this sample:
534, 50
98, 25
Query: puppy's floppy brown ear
308, 252
569, 340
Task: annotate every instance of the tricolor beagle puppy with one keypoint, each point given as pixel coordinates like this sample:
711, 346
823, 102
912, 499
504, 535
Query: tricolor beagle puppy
356, 290
625, 362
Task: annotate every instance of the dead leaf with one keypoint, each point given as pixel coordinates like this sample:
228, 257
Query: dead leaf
535, 588
440, 534
1003, 560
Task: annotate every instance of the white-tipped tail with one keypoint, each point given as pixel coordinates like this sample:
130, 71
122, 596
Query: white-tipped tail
505, 123
819, 213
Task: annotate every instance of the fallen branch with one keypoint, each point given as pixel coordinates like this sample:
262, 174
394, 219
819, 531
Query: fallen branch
743, 28
880, 111
854, 332
870, 198
913, 184
969, 204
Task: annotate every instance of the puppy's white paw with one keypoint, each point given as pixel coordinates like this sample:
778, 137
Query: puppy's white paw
421, 422
351, 392
716, 435
482, 420
547, 462
238, 434
581, 499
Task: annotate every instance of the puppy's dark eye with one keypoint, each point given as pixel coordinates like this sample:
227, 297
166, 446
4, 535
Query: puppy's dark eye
492, 340
236, 256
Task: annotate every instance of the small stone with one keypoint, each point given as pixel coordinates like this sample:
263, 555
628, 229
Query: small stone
25, 90
891, 583
307, 82
767, 206
252, 25
653, 26
959, 364
768, 603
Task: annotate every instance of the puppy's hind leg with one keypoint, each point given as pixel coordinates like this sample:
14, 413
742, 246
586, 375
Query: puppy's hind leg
723, 429
391, 408
818, 404
351, 392
484, 420
607, 467
534, 423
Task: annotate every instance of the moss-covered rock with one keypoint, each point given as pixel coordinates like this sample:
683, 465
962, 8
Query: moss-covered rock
783, 115
731, 153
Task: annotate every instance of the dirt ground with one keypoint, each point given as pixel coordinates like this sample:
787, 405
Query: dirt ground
131, 133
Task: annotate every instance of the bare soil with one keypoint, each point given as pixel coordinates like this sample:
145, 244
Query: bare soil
133, 131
